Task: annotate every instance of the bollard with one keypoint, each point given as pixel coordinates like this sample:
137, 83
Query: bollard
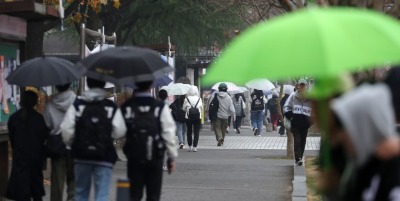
123, 189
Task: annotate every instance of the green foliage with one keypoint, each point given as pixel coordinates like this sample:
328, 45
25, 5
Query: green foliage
191, 24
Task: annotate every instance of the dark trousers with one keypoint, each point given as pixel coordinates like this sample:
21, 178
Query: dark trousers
238, 122
145, 174
62, 171
193, 126
299, 137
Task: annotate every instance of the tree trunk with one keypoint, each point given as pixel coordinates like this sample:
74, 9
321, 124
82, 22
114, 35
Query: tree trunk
34, 39
289, 144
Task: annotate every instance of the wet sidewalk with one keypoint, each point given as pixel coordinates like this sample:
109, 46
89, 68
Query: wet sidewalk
246, 167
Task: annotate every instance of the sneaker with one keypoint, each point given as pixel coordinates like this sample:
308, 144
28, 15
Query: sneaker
300, 163
219, 142
194, 149
256, 131
227, 130
164, 167
237, 131
190, 149
259, 135
181, 146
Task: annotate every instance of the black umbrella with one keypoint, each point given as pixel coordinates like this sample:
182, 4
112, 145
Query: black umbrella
126, 65
45, 71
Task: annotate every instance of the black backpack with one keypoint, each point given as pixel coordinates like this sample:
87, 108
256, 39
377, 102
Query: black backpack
93, 129
143, 138
213, 108
193, 113
177, 112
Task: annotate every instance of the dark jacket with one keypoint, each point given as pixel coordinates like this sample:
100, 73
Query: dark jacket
272, 105
378, 179
258, 100
27, 142
176, 109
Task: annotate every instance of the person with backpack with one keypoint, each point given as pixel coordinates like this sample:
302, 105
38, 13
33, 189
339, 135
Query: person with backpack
193, 106
151, 133
272, 106
239, 105
89, 127
223, 107
62, 167
179, 116
27, 133
258, 101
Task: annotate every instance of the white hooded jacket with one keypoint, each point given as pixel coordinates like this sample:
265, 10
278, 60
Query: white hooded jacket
193, 97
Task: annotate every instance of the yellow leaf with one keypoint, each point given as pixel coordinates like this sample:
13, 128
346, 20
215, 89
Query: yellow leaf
70, 1
97, 9
116, 4
104, 2
77, 17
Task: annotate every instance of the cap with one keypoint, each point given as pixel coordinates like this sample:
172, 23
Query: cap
222, 86
303, 81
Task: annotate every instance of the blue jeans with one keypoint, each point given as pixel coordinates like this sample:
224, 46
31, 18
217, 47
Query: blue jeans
257, 119
181, 131
83, 178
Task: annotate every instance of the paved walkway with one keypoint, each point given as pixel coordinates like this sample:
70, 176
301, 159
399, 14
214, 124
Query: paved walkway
241, 169
252, 142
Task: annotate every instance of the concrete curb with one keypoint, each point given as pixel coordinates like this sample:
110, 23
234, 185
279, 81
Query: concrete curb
299, 183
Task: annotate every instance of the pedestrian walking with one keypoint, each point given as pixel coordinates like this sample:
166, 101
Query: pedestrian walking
193, 106
225, 109
258, 102
298, 110
27, 133
163, 95
272, 106
180, 120
212, 111
283, 101
89, 127
240, 106
150, 134
62, 167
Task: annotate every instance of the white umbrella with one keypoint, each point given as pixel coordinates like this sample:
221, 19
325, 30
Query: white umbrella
231, 87
260, 84
240, 90
287, 89
177, 89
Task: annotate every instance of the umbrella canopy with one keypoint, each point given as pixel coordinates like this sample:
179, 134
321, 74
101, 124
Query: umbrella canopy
287, 89
314, 42
240, 90
162, 81
45, 71
125, 65
177, 89
260, 84
231, 87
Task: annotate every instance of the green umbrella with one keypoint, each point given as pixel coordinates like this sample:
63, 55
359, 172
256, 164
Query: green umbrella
314, 42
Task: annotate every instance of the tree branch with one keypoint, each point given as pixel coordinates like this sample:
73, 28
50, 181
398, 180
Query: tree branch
67, 12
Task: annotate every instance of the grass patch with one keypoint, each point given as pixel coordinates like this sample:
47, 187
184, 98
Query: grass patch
273, 157
312, 175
